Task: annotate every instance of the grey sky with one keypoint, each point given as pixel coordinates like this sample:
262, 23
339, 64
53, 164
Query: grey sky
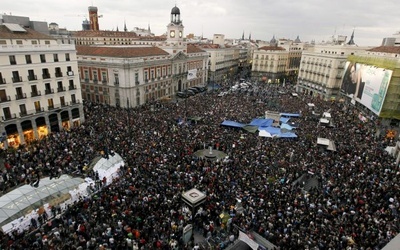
310, 19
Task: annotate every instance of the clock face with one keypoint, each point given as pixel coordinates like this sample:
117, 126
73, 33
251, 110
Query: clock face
172, 34
180, 34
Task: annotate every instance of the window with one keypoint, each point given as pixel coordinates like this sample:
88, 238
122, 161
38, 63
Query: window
42, 58
137, 78
3, 95
34, 42
146, 76
95, 76
55, 56
71, 85
47, 88
46, 42
12, 60
7, 113
67, 57
2, 80
58, 72
3, 42
62, 101
22, 109
37, 106
16, 77
50, 103
73, 98
19, 42
34, 91
31, 75
45, 73
20, 94
104, 76
86, 76
60, 87
116, 79
28, 59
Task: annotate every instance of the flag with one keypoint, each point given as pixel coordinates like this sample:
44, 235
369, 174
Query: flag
192, 74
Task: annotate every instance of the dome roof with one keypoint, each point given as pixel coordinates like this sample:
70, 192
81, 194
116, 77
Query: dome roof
175, 11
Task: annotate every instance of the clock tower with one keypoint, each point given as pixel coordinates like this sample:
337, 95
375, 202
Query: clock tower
175, 27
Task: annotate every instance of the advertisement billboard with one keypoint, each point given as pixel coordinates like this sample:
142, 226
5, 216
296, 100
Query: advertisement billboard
366, 84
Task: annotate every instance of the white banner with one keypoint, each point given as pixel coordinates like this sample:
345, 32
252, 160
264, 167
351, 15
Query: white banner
192, 74
246, 239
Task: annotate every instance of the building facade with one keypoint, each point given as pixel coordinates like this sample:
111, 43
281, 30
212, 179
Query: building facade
39, 88
322, 68
269, 64
134, 74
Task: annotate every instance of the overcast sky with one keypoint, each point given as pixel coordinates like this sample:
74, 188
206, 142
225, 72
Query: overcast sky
310, 19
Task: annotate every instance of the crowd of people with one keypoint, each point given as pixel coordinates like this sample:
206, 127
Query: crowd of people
354, 206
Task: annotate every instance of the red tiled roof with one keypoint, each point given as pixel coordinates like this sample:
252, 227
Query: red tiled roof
103, 33
386, 49
194, 49
5, 33
124, 52
271, 48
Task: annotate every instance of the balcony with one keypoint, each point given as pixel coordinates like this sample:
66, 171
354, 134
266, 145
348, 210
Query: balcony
35, 93
9, 117
60, 89
59, 74
50, 107
95, 80
20, 96
17, 79
32, 77
86, 80
74, 102
5, 99
72, 87
49, 91
137, 82
22, 114
3, 81
116, 82
64, 104
70, 73
46, 76
39, 110
104, 82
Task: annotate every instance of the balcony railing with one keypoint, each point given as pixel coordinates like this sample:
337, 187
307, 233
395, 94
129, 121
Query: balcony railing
104, 82
49, 91
137, 82
86, 80
36, 93
5, 99
20, 96
116, 82
65, 104
46, 76
72, 87
22, 114
50, 107
3, 81
17, 79
32, 77
59, 74
73, 102
61, 89
9, 117
95, 80
39, 110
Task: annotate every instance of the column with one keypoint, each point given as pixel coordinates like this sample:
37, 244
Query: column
34, 127
21, 133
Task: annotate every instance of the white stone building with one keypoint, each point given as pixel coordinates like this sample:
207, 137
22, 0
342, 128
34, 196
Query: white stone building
39, 90
322, 67
131, 75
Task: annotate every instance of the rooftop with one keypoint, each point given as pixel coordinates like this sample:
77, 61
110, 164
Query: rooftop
124, 52
5, 33
271, 48
386, 49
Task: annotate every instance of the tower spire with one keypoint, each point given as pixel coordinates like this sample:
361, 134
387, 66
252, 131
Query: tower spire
125, 29
351, 42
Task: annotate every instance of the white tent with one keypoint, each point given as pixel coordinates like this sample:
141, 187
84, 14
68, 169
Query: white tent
18, 203
108, 168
